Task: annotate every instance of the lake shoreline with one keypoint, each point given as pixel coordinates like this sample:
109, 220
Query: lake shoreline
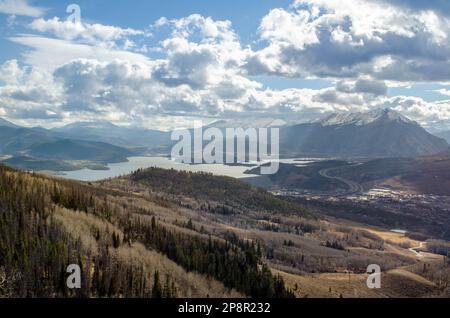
142, 162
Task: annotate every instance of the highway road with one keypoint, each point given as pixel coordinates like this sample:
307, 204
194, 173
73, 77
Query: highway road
353, 187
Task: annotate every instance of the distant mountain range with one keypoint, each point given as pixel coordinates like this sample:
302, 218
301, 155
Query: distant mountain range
38, 149
107, 132
444, 135
376, 134
380, 133
5, 123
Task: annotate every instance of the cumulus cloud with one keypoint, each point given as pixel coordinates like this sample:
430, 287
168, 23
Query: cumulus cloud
10, 72
438, 6
199, 73
364, 86
28, 93
90, 85
200, 28
127, 92
435, 115
353, 38
443, 91
134, 88
199, 52
88, 71
189, 64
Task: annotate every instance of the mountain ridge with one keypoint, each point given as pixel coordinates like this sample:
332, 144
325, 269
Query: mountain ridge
364, 118
382, 133
39, 149
104, 131
6, 123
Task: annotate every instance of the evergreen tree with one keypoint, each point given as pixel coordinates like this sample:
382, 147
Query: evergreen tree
157, 291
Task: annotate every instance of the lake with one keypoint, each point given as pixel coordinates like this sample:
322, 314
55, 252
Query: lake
135, 163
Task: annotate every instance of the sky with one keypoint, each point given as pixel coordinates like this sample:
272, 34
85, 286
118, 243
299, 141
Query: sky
164, 64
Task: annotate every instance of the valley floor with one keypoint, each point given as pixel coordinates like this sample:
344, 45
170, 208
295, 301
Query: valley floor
325, 257
404, 281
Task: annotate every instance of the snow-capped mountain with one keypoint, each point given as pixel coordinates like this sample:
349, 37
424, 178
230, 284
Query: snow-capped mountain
361, 119
379, 133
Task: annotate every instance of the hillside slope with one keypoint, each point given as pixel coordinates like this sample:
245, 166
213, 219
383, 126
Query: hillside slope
67, 149
123, 250
380, 133
138, 236
41, 149
225, 190
423, 175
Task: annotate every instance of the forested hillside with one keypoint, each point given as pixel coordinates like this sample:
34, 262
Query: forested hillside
47, 224
226, 190
162, 233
